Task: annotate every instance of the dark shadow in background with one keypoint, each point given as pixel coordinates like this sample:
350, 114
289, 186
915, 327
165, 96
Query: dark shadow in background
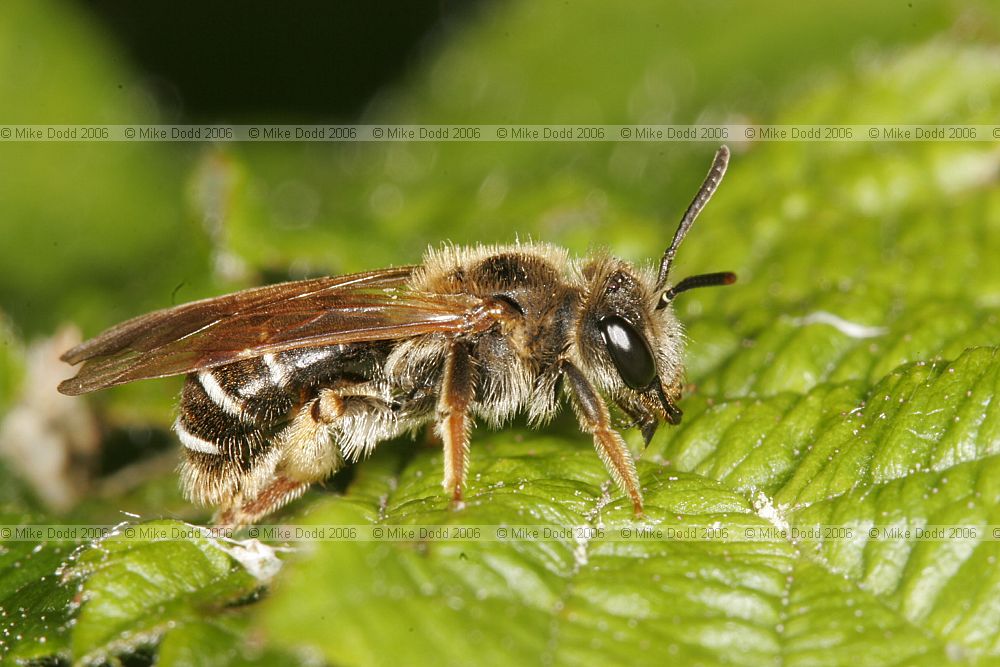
257, 61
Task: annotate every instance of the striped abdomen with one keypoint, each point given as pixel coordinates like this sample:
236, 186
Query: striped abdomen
230, 415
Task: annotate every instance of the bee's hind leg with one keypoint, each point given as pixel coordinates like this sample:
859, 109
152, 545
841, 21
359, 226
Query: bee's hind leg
278, 493
306, 453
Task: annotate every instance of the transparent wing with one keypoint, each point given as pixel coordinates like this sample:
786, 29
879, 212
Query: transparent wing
324, 311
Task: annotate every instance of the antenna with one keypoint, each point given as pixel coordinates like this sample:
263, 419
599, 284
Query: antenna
691, 282
705, 192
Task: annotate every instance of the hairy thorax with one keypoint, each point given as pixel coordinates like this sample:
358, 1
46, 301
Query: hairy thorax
516, 360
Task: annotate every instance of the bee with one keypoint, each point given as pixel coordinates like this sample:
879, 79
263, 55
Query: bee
288, 383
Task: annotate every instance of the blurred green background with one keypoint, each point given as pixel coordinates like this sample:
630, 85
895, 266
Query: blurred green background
901, 238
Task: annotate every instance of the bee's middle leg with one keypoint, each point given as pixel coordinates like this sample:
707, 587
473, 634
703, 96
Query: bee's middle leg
453, 420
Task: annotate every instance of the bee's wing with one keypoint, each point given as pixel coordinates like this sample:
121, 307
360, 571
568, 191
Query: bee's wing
307, 313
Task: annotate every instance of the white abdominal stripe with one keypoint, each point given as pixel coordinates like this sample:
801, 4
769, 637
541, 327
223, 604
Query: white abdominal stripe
277, 369
230, 405
193, 442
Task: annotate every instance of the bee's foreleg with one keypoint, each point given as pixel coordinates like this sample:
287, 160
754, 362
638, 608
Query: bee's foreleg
594, 418
453, 420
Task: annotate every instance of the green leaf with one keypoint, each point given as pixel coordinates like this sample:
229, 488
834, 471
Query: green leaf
218, 642
727, 601
135, 588
36, 604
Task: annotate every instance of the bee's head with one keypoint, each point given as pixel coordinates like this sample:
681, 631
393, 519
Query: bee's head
629, 336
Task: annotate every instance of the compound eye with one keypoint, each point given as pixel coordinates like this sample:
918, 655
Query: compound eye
630, 352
